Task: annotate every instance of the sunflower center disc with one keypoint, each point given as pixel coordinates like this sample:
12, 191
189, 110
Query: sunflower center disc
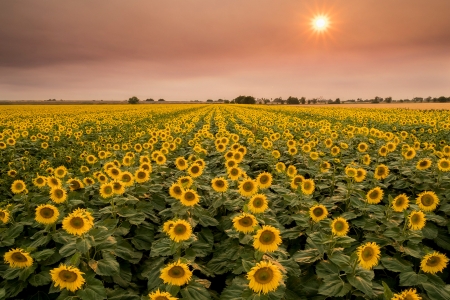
267, 237
161, 298
177, 190
126, 178
264, 275
307, 186
75, 185
77, 222
219, 183
141, 175
40, 181
19, 186
176, 272
47, 213
248, 186
195, 170
339, 226
189, 196
373, 195
415, 219
433, 261
2, 215
445, 164
67, 276
318, 211
180, 229
19, 257
108, 190
59, 193
264, 179
117, 186
258, 202
427, 200
246, 222
367, 254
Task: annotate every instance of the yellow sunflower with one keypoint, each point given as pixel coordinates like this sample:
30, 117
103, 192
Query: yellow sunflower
106, 190
176, 273
53, 182
60, 172
267, 239
444, 165
189, 198
423, 164
158, 295
318, 212
325, 166
46, 214
248, 187
195, 171
180, 231
176, 191
18, 186
245, 223
360, 175
88, 181
167, 225
400, 203
141, 176
362, 147
185, 181
18, 258
433, 262
114, 172
181, 163
410, 294
427, 201
297, 181
409, 154
4, 216
161, 159
67, 277
265, 277
258, 204
416, 220
291, 171
375, 195
118, 187
12, 173
381, 172
368, 255
75, 184
78, 222
308, 186
366, 159
339, 226
127, 178
280, 167
234, 173
219, 184
58, 195
264, 180
350, 172
40, 181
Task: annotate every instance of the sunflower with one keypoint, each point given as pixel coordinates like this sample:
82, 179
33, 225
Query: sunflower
40, 181
318, 212
60, 172
167, 225
46, 214
267, 239
53, 182
291, 171
219, 184
265, 277
248, 187
368, 255
106, 190
195, 171
410, 294
264, 180
91, 159
433, 262
427, 201
400, 203
280, 167
18, 258
366, 159
189, 198
67, 277
58, 195
444, 165
127, 178
375, 195
78, 222
158, 295
325, 166
4, 216
141, 176
161, 159
18, 186
88, 181
335, 150
423, 164
234, 173
146, 166
360, 175
180, 231
362, 147
185, 181
350, 172
245, 223
114, 172
416, 220
381, 172
181, 163
409, 154
308, 186
176, 273
314, 156
118, 187
176, 191
292, 150
75, 184
12, 173
276, 154
339, 226
297, 181
258, 204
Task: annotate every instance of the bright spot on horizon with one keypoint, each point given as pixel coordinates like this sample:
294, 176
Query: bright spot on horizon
320, 23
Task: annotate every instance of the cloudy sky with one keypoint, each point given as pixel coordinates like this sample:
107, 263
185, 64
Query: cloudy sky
201, 49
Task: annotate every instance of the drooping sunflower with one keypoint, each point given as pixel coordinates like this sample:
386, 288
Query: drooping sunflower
291, 171
339, 226
181, 163
18, 186
433, 262
381, 172
67, 277
308, 186
417, 220
444, 165
118, 187
78, 222
375, 195
318, 213
176, 191
325, 166
265, 277
245, 223
297, 181
258, 204
264, 180
248, 187
58, 195
185, 181
46, 214
4, 216
368, 255
195, 171
40, 181
176, 273
366, 159
75, 184
141, 176
189, 197
180, 230
400, 203
360, 175
267, 239
158, 295
219, 184
18, 258
106, 190
423, 164
427, 201
410, 294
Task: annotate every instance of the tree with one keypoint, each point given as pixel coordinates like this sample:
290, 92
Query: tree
278, 100
302, 100
388, 99
133, 100
292, 100
245, 100
210, 100
337, 101
149, 99
161, 99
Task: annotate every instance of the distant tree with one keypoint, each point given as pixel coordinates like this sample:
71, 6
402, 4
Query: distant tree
292, 100
226, 101
133, 100
442, 99
149, 99
161, 100
278, 100
337, 101
302, 100
210, 100
245, 100
388, 99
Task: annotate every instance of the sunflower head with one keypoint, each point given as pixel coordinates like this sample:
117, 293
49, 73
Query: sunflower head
181, 163
368, 255
60, 172
297, 181
248, 187
350, 172
318, 213
265, 277
106, 190
167, 225
185, 181
18, 258
58, 195
267, 239
189, 197
291, 171
245, 223
280, 167
400, 203
434, 262
444, 165
46, 214
141, 176
375, 195
409, 154
258, 204
416, 220
308, 186
176, 273
339, 226
381, 172
219, 184
118, 187
75, 184
158, 295
18, 186
180, 231
176, 191
67, 277
264, 180
40, 181
423, 164
78, 222
427, 201
360, 175
410, 294
4, 216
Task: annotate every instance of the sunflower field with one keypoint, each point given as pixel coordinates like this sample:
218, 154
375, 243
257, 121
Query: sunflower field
227, 202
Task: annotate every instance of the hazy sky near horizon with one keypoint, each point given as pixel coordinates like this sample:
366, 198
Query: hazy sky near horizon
205, 49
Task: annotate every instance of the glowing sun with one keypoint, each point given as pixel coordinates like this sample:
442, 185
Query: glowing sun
320, 23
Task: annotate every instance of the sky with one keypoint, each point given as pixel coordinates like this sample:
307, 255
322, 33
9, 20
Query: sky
209, 49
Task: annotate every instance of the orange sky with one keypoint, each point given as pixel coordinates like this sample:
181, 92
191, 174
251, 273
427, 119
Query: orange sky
200, 49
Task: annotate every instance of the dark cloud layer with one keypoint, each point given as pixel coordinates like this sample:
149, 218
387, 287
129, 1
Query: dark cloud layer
209, 49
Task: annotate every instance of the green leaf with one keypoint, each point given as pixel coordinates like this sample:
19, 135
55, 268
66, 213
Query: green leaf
394, 265
195, 291
161, 247
93, 290
83, 245
334, 286
68, 249
339, 259
436, 292
205, 220
362, 280
14, 231
247, 265
42, 278
388, 295
326, 268
151, 270
411, 278
430, 231
306, 256
107, 266
43, 255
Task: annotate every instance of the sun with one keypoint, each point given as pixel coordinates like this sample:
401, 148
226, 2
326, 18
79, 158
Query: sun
320, 23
